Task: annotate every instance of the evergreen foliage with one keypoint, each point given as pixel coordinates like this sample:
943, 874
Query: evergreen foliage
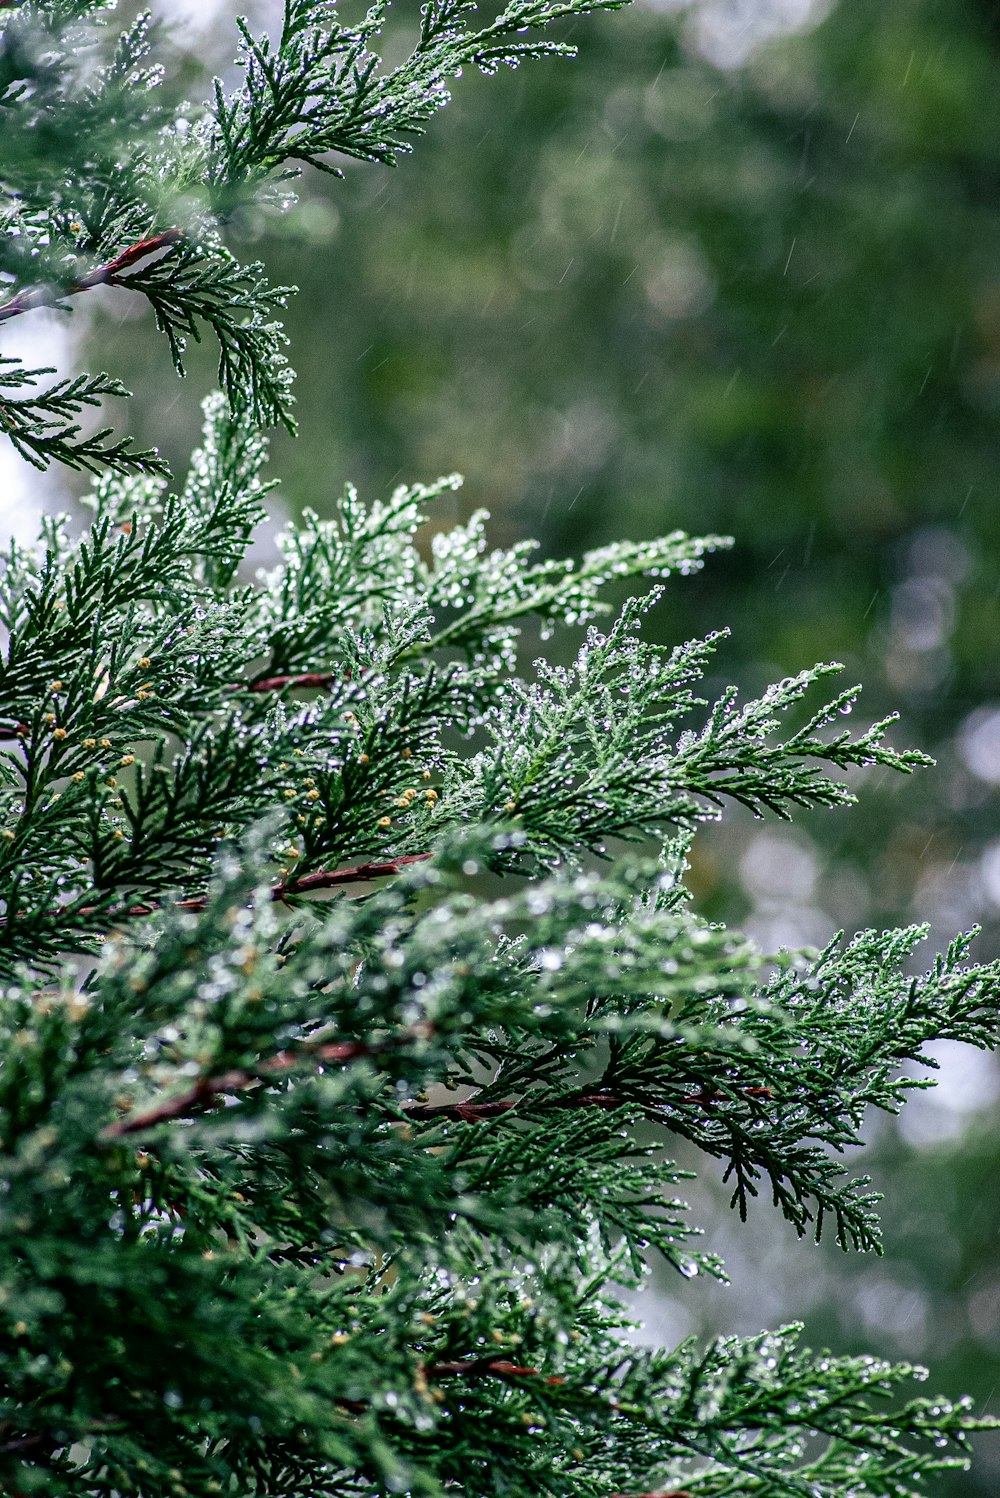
139, 186
340, 1041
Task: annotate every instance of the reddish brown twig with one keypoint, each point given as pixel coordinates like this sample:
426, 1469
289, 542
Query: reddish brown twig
102, 275
473, 1112
674, 1493
303, 679
358, 873
307, 884
489, 1367
208, 1090
466, 1368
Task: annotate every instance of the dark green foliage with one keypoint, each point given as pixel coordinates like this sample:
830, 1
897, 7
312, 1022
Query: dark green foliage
118, 171
171, 645
339, 1040
430, 1156
41, 426
673, 294
322, 88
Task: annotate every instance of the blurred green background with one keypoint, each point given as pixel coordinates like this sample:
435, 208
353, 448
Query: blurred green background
736, 268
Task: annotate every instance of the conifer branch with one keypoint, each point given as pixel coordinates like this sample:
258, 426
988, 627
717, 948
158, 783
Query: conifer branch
42, 429
205, 1093
279, 683
489, 1367
358, 873
109, 274
333, 1253
118, 157
322, 879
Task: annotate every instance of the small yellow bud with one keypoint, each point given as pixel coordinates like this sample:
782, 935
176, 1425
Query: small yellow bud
59, 733
90, 743
144, 663
50, 717
77, 777
510, 806
7, 835
309, 780
118, 834
363, 759
406, 754
55, 686
384, 822
127, 759
105, 743
312, 795
289, 795
404, 802
430, 797
426, 775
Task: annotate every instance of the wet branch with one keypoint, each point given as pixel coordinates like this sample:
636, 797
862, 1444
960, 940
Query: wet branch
330, 879
473, 1112
307, 884
302, 679
488, 1368
109, 274
208, 1090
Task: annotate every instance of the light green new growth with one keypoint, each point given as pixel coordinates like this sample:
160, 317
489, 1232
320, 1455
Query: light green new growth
344, 1045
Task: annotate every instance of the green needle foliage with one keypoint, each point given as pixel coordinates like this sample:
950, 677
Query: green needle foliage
343, 1042
108, 179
